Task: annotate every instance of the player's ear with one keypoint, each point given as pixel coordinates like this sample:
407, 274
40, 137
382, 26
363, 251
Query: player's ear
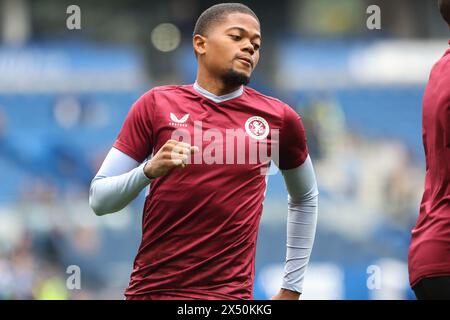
199, 44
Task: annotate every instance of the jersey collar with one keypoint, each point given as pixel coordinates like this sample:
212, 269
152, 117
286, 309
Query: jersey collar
215, 98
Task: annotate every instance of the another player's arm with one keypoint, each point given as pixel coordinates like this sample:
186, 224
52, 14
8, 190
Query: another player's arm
121, 178
301, 227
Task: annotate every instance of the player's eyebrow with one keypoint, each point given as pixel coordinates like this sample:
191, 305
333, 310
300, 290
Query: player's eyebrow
257, 35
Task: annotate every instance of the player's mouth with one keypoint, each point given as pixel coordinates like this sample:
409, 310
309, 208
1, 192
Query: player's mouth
247, 61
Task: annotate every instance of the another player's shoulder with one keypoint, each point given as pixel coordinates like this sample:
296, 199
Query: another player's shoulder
446, 67
439, 80
442, 67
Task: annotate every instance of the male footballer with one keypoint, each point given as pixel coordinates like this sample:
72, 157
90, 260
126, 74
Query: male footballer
195, 146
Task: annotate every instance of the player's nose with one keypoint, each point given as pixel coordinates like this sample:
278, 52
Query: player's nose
249, 48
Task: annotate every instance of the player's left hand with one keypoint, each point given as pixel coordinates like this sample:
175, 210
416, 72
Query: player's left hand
285, 294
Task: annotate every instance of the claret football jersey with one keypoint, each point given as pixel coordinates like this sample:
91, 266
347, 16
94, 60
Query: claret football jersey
429, 253
200, 223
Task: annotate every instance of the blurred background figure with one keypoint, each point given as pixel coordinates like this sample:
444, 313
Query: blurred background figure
64, 93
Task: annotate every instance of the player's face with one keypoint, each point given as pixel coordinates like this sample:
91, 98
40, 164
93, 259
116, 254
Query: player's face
232, 47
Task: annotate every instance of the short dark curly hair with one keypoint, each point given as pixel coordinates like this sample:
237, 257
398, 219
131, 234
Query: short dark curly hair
217, 13
444, 8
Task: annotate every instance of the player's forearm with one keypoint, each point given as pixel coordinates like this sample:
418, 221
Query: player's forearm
111, 194
301, 229
302, 222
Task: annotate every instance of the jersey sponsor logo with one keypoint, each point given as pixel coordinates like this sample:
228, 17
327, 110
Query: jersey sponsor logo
257, 127
178, 122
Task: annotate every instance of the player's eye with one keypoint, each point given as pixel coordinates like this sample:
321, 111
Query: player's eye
256, 46
235, 37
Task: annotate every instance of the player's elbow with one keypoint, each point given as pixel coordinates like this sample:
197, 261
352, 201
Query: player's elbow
96, 203
96, 206
98, 210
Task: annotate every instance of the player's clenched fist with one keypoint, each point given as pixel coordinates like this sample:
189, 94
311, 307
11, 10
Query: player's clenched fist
173, 154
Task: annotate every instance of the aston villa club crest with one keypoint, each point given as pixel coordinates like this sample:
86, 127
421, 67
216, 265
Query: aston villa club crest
257, 128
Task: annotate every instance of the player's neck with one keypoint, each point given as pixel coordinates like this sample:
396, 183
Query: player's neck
216, 86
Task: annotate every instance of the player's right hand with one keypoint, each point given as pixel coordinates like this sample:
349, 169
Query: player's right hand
173, 154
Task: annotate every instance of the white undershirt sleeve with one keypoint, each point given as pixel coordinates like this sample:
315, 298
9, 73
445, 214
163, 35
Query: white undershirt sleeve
118, 182
302, 221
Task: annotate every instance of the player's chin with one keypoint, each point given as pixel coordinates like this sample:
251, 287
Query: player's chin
237, 76
243, 72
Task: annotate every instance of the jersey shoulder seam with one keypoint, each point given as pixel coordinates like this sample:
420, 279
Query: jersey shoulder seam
265, 96
166, 88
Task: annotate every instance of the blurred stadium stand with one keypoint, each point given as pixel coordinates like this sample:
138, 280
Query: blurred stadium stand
64, 95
